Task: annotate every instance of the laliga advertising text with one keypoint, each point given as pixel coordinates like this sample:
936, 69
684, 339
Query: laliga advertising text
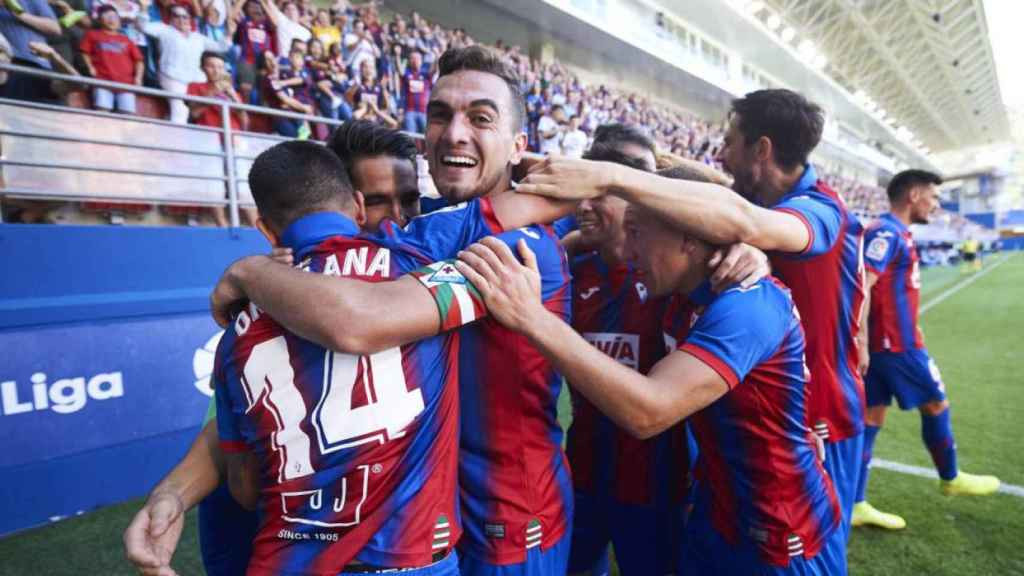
64, 396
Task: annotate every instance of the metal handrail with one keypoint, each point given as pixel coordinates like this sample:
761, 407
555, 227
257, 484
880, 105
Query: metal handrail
230, 177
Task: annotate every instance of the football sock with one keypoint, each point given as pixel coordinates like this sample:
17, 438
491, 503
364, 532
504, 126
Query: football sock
937, 433
870, 433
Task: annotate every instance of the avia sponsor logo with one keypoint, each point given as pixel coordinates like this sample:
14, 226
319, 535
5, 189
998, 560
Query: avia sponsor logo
623, 348
64, 396
202, 364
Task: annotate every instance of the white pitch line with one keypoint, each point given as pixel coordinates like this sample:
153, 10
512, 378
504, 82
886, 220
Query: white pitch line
960, 286
1010, 489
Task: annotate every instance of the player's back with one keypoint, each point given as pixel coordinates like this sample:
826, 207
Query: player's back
759, 475
516, 487
827, 286
890, 253
358, 454
611, 310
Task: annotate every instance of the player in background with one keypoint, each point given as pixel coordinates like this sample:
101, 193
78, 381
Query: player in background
813, 242
764, 504
629, 492
899, 362
381, 164
970, 250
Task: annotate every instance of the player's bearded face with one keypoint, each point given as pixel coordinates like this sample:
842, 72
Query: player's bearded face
926, 203
472, 141
735, 158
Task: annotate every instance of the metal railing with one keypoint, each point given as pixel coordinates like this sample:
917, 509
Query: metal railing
228, 147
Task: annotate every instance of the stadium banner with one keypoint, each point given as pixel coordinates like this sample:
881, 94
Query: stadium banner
108, 350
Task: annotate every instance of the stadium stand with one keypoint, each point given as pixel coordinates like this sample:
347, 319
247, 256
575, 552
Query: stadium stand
359, 62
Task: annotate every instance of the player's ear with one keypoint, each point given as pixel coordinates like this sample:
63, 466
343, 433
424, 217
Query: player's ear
268, 232
359, 208
519, 148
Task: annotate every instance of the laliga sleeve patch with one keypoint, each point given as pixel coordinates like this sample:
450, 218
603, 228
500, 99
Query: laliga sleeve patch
877, 249
457, 299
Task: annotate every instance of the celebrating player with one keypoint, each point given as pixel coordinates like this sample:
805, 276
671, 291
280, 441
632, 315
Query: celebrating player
764, 504
899, 362
381, 164
782, 208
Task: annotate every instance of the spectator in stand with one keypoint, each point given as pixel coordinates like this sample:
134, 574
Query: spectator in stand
22, 22
574, 141
286, 25
278, 95
416, 84
214, 22
218, 85
166, 9
360, 47
325, 30
550, 129
298, 45
254, 36
110, 55
181, 49
369, 99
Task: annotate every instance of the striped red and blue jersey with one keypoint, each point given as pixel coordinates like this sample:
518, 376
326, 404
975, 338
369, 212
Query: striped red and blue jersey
758, 466
611, 310
827, 283
358, 454
889, 252
514, 477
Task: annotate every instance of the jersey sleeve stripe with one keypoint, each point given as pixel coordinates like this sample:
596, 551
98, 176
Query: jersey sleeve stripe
714, 362
807, 225
490, 218
457, 300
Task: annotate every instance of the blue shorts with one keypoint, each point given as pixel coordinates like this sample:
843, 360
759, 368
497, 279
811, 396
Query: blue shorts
707, 552
226, 532
843, 464
538, 562
449, 566
911, 376
647, 539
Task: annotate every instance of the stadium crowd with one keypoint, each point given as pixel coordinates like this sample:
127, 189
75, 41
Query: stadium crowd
340, 62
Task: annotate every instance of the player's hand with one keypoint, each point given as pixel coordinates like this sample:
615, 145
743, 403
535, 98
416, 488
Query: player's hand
228, 296
737, 264
863, 356
282, 255
568, 178
152, 536
511, 290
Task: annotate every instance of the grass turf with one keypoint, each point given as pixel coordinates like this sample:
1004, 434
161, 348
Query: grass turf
973, 336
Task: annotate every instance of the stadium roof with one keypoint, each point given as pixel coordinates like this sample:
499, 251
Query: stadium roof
925, 66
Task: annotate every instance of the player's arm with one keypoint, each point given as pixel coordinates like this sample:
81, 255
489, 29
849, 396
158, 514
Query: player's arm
338, 313
863, 351
711, 212
676, 387
152, 536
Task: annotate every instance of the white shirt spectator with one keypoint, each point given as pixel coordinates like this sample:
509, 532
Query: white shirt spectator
286, 29
574, 143
551, 145
180, 53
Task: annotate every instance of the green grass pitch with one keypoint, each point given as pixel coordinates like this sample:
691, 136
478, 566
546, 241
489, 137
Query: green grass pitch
975, 336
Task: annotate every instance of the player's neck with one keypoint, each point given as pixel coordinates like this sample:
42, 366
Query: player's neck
778, 183
612, 254
902, 213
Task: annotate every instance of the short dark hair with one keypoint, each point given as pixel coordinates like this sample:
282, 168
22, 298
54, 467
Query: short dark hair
792, 123
481, 59
617, 134
295, 178
904, 181
211, 54
692, 171
357, 139
106, 8
609, 152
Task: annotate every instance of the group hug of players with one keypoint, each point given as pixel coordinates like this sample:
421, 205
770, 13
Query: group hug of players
387, 402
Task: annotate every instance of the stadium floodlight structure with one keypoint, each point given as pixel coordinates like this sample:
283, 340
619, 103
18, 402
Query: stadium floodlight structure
927, 63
